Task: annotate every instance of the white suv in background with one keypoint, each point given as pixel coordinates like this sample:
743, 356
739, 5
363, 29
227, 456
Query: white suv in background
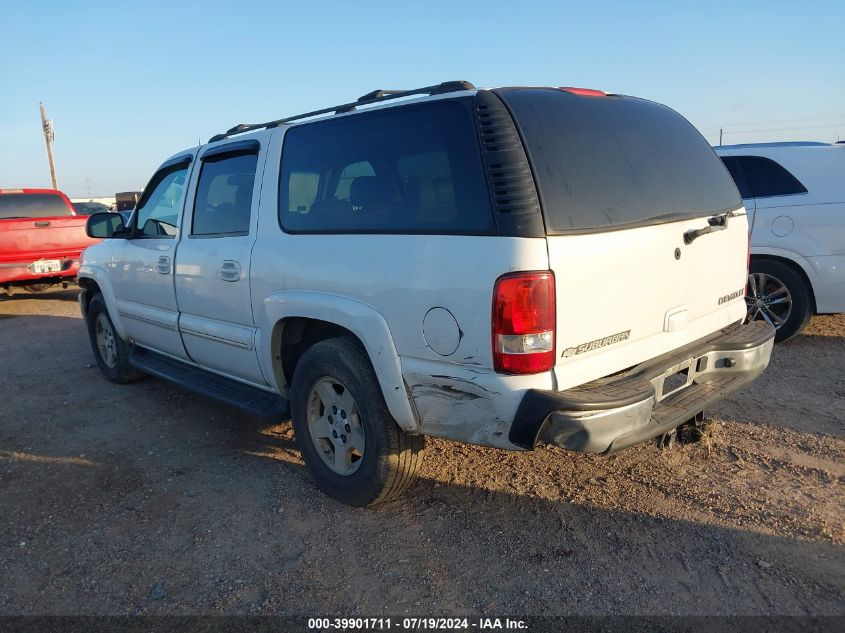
795, 196
502, 267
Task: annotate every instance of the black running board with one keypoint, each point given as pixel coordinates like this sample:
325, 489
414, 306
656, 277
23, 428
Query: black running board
257, 402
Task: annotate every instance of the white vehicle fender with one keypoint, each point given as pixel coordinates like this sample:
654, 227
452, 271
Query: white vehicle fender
799, 260
100, 275
359, 318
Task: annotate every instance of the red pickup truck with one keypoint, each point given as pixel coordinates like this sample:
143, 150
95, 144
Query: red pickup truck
41, 238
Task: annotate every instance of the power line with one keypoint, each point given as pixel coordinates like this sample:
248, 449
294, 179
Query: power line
781, 129
774, 121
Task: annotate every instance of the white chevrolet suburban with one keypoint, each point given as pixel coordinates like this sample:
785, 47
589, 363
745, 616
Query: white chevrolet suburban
503, 267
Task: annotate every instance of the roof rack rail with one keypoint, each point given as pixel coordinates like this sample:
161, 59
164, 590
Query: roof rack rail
371, 97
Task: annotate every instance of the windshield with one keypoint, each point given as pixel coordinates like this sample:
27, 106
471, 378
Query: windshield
603, 163
32, 205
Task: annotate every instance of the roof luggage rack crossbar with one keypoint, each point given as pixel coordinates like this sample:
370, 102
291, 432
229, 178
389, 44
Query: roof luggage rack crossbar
375, 96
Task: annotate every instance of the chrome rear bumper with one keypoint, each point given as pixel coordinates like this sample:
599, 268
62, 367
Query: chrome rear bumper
613, 413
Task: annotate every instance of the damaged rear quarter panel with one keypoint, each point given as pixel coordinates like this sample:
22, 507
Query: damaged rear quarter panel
466, 403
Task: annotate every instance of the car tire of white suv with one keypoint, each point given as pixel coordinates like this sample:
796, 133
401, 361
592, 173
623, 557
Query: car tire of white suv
350, 443
110, 351
779, 295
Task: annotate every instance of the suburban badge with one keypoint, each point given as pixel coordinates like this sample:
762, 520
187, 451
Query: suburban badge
598, 343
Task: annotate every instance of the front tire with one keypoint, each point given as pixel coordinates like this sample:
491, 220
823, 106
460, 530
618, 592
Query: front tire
779, 295
350, 443
110, 351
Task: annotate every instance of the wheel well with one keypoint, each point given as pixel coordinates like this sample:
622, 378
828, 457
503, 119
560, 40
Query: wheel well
91, 289
297, 334
797, 269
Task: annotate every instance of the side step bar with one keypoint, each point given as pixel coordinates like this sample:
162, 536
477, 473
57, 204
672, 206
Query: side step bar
254, 401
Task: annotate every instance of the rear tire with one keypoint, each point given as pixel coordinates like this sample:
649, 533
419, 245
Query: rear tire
110, 351
350, 443
777, 293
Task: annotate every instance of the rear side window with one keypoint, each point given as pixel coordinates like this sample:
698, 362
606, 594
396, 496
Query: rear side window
224, 195
766, 178
32, 205
411, 169
603, 163
739, 178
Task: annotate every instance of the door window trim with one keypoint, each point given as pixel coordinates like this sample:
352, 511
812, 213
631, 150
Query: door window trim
228, 150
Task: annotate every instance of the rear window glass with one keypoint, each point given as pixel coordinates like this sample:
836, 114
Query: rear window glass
32, 205
767, 178
411, 169
609, 162
90, 208
739, 178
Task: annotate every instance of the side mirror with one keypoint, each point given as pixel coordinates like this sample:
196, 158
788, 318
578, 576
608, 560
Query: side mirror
105, 226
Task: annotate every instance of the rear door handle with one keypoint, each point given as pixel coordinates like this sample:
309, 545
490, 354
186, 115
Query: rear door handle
163, 265
230, 270
716, 223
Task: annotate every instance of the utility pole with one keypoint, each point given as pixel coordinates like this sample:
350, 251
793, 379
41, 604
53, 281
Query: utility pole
49, 135
720, 137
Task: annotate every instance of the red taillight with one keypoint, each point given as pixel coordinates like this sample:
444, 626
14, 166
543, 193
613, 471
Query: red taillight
524, 323
585, 92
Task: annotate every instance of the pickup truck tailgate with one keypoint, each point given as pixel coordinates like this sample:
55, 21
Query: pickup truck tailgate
30, 247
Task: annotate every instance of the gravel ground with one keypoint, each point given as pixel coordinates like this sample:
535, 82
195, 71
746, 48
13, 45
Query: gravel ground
145, 499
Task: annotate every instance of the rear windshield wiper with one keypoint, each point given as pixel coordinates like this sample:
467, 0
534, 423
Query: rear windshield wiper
716, 223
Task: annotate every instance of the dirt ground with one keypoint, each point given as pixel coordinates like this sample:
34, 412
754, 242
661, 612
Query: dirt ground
144, 499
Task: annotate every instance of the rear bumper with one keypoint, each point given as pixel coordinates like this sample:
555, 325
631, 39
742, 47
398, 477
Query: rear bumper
21, 273
616, 412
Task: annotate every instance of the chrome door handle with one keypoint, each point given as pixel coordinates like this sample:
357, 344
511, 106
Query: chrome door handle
163, 265
230, 270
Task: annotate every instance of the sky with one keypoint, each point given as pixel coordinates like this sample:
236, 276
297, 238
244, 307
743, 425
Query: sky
127, 84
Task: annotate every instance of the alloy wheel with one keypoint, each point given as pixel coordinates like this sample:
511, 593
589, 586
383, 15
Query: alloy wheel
768, 299
106, 343
334, 423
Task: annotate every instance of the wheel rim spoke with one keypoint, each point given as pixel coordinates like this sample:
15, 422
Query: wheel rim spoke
346, 402
752, 285
326, 393
342, 457
767, 319
773, 318
320, 428
780, 291
356, 439
775, 302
